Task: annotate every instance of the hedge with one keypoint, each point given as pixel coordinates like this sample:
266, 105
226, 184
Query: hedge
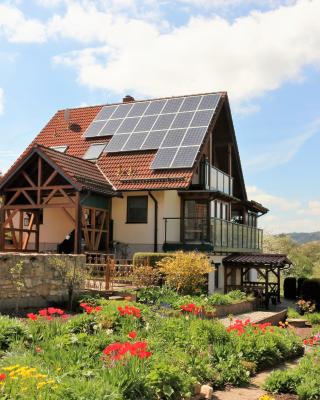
149, 258
290, 288
310, 291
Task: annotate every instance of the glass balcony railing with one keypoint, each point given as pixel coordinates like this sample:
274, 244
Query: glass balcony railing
221, 234
215, 179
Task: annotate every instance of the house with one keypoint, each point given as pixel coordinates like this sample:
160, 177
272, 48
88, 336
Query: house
152, 175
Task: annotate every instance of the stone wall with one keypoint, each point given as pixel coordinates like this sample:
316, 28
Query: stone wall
41, 285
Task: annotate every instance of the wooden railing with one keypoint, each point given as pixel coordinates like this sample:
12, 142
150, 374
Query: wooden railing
107, 273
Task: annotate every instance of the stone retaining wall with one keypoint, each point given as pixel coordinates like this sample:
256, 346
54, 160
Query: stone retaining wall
234, 309
41, 284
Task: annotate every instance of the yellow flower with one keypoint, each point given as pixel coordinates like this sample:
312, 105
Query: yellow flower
58, 369
41, 384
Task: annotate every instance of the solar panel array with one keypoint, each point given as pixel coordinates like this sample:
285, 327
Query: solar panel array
175, 127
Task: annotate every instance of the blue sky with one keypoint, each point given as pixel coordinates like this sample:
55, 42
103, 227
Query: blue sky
265, 53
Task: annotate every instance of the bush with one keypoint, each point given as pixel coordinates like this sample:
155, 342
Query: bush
310, 290
185, 272
300, 283
10, 330
290, 288
145, 276
302, 380
150, 259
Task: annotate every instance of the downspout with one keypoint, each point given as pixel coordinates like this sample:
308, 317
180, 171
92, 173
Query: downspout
155, 244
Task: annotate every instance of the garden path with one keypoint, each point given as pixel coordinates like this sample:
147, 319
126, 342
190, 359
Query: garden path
254, 316
253, 391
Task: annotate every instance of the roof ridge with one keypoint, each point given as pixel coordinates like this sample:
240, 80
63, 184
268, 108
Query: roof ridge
222, 93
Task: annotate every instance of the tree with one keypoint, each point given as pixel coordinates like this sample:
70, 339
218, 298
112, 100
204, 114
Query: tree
302, 264
71, 275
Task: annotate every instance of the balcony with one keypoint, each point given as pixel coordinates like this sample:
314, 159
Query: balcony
210, 235
215, 179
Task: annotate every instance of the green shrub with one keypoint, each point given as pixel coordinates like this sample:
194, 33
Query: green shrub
290, 288
282, 382
10, 331
310, 290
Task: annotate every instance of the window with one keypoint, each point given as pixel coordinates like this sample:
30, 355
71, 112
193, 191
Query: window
137, 209
61, 149
94, 151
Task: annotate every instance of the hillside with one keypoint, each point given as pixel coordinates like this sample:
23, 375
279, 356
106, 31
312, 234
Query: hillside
304, 237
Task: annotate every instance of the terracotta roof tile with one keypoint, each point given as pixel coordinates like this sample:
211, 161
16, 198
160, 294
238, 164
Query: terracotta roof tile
125, 171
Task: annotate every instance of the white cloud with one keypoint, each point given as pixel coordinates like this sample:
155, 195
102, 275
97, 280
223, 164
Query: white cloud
286, 214
236, 3
283, 151
50, 3
248, 57
17, 28
1, 101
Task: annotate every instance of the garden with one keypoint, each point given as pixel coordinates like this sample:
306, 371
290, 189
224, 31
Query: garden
164, 345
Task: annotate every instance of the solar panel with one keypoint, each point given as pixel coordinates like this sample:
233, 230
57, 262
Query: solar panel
168, 125
135, 141
163, 122
185, 157
110, 127
209, 101
154, 140
202, 118
128, 125
146, 123
94, 151
190, 103
172, 105
163, 158
138, 109
173, 138
182, 120
94, 128
105, 113
116, 143
155, 107
194, 136
122, 111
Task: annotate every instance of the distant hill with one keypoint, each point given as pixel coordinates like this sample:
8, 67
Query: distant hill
304, 237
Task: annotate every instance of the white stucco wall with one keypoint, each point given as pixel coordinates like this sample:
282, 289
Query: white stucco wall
140, 237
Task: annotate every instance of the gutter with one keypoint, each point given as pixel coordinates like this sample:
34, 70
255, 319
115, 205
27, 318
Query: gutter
155, 243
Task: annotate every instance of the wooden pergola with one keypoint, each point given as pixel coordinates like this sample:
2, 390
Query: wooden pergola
268, 267
44, 179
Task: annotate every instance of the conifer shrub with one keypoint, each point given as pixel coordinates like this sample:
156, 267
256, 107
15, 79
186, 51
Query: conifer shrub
290, 288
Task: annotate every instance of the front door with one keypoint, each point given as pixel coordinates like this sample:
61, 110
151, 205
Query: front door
196, 221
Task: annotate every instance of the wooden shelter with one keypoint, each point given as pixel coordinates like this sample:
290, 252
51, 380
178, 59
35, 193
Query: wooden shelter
46, 179
266, 283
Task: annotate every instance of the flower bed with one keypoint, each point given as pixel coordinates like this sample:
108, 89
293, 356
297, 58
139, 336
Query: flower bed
128, 351
303, 380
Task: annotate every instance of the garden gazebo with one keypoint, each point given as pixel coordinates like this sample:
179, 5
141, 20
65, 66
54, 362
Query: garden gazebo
266, 283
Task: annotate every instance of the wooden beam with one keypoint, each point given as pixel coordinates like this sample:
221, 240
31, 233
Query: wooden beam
78, 230
27, 177
53, 175
98, 238
13, 198
13, 233
36, 206
27, 238
27, 197
49, 187
39, 179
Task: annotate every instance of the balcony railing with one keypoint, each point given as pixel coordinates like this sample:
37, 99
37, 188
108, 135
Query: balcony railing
215, 179
222, 235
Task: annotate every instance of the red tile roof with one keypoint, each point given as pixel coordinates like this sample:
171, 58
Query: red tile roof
125, 171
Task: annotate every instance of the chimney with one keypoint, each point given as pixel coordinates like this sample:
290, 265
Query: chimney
128, 99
